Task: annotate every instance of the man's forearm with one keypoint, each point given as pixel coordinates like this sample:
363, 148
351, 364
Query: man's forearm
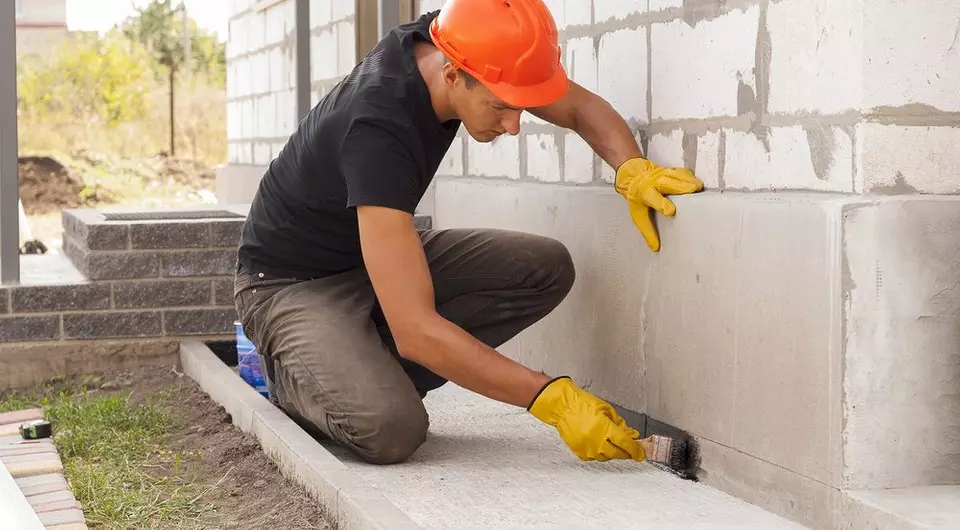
452, 353
607, 133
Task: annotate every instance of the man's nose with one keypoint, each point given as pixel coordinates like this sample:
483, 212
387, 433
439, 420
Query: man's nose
511, 123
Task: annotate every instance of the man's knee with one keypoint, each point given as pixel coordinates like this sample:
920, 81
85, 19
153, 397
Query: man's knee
391, 432
556, 268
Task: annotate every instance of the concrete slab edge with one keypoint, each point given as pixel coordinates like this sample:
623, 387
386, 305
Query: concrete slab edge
350, 501
859, 512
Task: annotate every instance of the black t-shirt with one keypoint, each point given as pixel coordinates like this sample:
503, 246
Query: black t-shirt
373, 140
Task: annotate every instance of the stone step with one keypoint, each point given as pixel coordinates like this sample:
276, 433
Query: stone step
921, 508
161, 242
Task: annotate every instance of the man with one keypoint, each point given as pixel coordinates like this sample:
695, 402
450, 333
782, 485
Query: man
359, 313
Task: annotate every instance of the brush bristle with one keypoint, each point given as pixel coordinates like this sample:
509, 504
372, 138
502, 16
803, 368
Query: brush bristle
671, 453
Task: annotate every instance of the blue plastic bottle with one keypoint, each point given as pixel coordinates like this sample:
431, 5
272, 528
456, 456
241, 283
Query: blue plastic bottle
248, 362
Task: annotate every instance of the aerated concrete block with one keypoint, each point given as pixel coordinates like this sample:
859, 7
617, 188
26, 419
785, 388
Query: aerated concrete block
912, 55
499, 158
816, 61
698, 70
624, 88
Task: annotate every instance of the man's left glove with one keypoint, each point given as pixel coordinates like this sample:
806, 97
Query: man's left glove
644, 184
589, 426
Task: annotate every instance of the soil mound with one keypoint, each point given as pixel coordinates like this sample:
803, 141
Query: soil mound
46, 185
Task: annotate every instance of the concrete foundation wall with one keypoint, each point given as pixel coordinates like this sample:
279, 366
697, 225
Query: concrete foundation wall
809, 341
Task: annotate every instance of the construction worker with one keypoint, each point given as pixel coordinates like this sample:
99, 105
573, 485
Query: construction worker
360, 313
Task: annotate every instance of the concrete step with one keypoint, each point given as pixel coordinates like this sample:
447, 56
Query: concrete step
489, 465
922, 508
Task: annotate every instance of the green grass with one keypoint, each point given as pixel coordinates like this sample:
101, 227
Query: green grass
115, 456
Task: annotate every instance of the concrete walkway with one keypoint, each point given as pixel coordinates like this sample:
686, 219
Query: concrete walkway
488, 465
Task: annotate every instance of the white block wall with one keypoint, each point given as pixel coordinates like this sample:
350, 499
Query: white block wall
261, 79
262, 66
846, 96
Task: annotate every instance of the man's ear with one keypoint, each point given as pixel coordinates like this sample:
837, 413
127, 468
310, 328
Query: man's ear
451, 75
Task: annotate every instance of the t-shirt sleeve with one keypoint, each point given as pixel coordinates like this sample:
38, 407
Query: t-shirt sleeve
378, 167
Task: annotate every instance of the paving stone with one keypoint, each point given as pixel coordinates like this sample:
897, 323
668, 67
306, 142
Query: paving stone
199, 263
112, 325
199, 321
29, 328
225, 233
223, 292
40, 480
54, 496
69, 526
56, 506
61, 517
20, 450
49, 298
169, 235
36, 457
41, 489
8, 429
161, 293
21, 415
34, 467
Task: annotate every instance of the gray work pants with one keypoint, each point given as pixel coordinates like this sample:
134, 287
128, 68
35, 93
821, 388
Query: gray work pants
335, 366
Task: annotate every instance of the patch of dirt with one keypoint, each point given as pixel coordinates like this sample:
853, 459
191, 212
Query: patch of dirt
47, 185
246, 488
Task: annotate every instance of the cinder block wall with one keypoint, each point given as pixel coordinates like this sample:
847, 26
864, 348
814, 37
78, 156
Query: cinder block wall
827, 95
261, 80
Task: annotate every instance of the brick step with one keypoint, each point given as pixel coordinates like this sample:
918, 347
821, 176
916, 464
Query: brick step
158, 243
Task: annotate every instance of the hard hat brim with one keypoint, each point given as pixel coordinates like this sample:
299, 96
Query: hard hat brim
531, 96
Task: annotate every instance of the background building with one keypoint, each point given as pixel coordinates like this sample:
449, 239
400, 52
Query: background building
41, 25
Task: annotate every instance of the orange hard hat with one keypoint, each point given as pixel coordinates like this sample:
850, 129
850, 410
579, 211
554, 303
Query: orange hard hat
508, 45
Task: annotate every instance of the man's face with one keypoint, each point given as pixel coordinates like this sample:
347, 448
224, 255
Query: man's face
484, 115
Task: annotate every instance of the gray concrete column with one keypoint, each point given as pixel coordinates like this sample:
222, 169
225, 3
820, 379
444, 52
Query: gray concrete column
388, 16
9, 184
303, 57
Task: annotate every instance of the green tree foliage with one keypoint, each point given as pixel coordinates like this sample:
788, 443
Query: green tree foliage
112, 92
159, 27
86, 77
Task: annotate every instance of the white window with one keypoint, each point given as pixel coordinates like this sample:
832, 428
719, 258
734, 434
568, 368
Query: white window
19, 8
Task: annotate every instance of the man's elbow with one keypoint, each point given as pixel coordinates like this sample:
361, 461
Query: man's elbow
415, 338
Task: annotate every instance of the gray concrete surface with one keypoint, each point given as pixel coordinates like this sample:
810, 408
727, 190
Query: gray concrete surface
924, 508
489, 465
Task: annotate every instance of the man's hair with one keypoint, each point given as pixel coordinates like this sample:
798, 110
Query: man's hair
468, 79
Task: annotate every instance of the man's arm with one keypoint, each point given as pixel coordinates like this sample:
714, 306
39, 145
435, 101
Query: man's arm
592, 117
395, 261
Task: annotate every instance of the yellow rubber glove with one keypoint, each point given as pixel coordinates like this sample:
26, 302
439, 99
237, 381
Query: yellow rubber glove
644, 184
589, 426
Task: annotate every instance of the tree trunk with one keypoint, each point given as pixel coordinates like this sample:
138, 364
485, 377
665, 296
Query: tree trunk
172, 120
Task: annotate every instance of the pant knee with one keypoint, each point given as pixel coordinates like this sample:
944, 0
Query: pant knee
393, 433
559, 268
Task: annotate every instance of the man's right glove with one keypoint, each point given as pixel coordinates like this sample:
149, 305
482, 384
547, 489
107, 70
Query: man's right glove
591, 428
644, 184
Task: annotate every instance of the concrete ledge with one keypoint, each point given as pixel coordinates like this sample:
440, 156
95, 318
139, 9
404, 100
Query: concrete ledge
936, 507
347, 498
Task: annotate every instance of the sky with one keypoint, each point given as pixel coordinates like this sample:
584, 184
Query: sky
101, 15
